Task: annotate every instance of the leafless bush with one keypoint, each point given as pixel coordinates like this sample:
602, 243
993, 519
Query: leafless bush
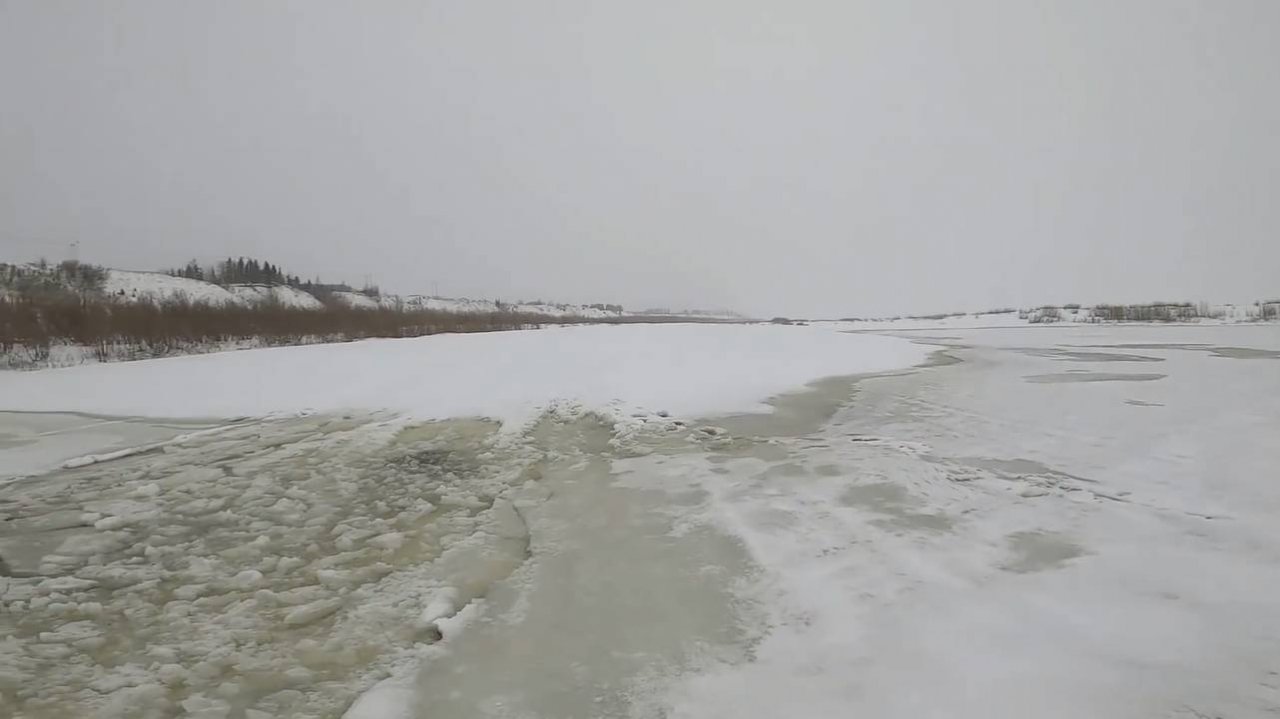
45, 279
30, 325
36, 322
1152, 312
1045, 315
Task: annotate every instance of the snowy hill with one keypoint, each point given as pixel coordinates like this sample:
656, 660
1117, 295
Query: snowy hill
357, 300
464, 305
138, 286
282, 294
1203, 313
441, 304
128, 286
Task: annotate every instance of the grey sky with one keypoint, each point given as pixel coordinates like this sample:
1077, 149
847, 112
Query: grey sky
810, 158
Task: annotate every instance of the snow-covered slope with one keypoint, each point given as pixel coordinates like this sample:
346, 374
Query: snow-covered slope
357, 300
1199, 314
283, 294
465, 305
443, 304
567, 311
134, 286
128, 286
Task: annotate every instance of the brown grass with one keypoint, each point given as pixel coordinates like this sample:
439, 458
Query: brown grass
31, 327
159, 329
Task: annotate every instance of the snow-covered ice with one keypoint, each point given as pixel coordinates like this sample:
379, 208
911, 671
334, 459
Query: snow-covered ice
963, 542
1019, 528
512, 376
36, 443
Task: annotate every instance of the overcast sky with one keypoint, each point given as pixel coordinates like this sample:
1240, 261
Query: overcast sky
809, 158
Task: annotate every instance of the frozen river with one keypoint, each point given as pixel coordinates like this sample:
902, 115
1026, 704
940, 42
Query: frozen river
1048, 522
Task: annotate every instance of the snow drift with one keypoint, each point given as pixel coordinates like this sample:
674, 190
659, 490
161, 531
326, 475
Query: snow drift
511, 376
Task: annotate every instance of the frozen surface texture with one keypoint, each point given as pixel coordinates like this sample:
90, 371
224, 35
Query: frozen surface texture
963, 539
683, 369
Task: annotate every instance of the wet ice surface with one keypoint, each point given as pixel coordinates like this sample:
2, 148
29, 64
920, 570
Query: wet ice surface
953, 541
1217, 351
1082, 376
282, 568
1068, 355
278, 567
36, 442
616, 600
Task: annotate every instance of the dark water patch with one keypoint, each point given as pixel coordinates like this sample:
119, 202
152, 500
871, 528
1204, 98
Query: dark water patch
1154, 346
728, 449
1244, 353
895, 503
1215, 350
785, 470
804, 412
935, 522
941, 358
1040, 551
1064, 377
1016, 467
795, 414
571, 636
9, 440
1064, 355
880, 496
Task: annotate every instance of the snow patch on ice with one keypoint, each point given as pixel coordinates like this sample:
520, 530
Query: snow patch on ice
511, 376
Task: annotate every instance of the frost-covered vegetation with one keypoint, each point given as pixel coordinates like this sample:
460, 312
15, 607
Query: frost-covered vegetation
42, 279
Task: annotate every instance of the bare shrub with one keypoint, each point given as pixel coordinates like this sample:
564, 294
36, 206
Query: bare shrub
37, 321
1151, 312
31, 324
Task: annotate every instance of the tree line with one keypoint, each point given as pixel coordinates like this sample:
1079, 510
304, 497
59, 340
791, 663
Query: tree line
240, 271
